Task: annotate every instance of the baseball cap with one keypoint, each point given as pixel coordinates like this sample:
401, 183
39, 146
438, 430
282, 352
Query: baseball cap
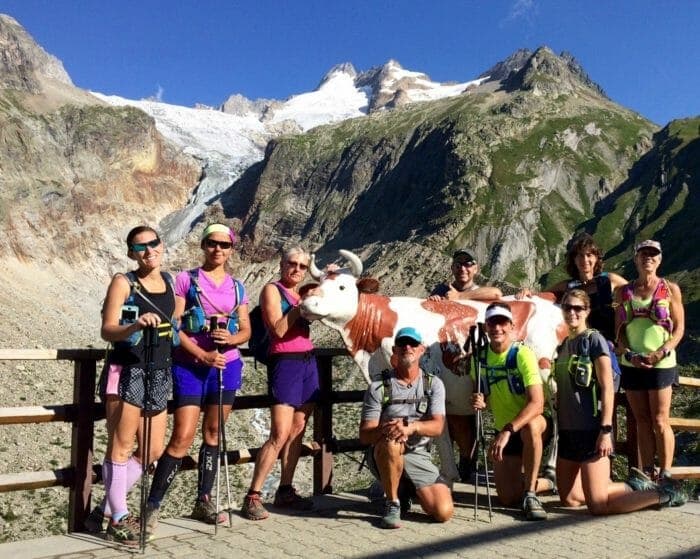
463, 255
494, 311
408, 332
648, 244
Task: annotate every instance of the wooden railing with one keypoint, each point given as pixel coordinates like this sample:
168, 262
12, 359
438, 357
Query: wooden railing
82, 413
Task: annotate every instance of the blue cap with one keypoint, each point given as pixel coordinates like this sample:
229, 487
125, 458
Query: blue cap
409, 332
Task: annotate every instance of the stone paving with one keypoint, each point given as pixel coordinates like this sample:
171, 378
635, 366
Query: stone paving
345, 525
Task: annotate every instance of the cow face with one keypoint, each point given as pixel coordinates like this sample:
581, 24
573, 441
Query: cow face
334, 301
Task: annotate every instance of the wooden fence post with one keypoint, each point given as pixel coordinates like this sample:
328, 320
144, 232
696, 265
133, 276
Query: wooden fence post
323, 427
82, 436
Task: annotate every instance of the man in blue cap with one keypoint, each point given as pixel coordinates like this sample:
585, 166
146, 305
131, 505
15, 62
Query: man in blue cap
401, 413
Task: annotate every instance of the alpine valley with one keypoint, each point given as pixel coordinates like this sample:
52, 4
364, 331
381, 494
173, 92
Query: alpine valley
385, 162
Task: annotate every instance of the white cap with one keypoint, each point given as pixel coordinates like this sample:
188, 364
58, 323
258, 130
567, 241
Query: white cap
498, 311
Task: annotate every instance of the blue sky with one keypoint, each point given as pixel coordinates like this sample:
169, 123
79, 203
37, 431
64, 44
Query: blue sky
645, 54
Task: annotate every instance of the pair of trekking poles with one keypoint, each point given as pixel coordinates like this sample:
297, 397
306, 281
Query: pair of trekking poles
477, 342
151, 340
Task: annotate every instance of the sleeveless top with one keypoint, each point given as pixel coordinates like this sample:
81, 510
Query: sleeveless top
135, 356
298, 338
602, 316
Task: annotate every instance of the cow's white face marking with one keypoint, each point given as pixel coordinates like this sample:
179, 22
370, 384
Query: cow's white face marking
334, 301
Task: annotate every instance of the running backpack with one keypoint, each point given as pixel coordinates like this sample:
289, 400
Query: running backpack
259, 342
658, 310
508, 372
581, 368
194, 319
422, 403
167, 327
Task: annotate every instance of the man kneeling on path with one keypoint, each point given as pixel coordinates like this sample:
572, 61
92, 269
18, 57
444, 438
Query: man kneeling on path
510, 380
400, 414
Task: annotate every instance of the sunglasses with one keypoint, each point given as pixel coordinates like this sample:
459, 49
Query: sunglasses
576, 308
297, 265
402, 342
141, 247
224, 245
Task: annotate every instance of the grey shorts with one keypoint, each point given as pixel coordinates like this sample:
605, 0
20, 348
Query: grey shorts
417, 466
132, 388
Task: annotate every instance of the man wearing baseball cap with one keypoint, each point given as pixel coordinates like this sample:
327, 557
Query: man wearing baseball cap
464, 270
401, 413
511, 383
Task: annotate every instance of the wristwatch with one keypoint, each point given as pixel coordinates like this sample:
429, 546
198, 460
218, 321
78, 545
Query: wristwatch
666, 351
606, 429
508, 427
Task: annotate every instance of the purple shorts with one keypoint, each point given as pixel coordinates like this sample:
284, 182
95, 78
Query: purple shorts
292, 379
199, 386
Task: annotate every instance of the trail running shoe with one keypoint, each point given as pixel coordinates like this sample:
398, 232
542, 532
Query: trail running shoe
205, 511
253, 508
94, 521
639, 481
673, 490
290, 499
126, 531
392, 515
532, 508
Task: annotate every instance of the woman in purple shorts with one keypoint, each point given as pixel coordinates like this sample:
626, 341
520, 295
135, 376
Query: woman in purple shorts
292, 383
136, 380
213, 311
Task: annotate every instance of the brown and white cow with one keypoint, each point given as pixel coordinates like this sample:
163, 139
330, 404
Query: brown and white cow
368, 321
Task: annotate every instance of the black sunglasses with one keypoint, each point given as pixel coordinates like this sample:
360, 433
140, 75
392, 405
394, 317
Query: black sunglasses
211, 243
141, 247
401, 342
576, 308
297, 265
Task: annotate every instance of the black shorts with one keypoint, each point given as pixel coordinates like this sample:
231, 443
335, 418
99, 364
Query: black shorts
578, 446
648, 379
515, 443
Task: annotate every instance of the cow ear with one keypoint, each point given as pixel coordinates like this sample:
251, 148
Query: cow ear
368, 285
304, 289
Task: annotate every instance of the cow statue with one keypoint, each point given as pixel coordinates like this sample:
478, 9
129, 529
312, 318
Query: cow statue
368, 321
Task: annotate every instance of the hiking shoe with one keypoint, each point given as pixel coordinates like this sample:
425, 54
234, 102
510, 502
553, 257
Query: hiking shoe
639, 481
290, 499
672, 489
126, 531
94, 521
151, 515
253, 508
392, 515
205, 511
532, 508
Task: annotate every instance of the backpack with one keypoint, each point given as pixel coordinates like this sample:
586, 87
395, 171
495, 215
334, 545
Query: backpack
422, 402
194, 320
580, 367
259, 342
658, 310
168, 322
515, 381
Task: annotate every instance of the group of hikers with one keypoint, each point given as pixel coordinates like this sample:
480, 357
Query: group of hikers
182, 337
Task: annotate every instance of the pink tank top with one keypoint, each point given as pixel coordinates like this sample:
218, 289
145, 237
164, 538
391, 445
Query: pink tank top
297, 339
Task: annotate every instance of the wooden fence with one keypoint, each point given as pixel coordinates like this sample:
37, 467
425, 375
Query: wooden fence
82, 413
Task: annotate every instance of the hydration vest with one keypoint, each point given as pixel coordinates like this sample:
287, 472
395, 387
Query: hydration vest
422, 403
497, 373
194, 319
658, 310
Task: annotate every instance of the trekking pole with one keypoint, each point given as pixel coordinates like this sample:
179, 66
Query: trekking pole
150, 340
480, 345
221, 442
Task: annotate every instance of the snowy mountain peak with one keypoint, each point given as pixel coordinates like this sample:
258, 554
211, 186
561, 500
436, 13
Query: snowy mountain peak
343, 68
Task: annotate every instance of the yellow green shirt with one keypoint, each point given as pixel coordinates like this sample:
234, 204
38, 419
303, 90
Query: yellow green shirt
504, 404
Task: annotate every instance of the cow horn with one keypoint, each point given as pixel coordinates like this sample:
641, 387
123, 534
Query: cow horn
313, 270
354, 261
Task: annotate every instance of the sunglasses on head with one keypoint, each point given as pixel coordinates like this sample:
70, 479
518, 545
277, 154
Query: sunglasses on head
297, 265
141, 247
576, 308
212, 243
402, 342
